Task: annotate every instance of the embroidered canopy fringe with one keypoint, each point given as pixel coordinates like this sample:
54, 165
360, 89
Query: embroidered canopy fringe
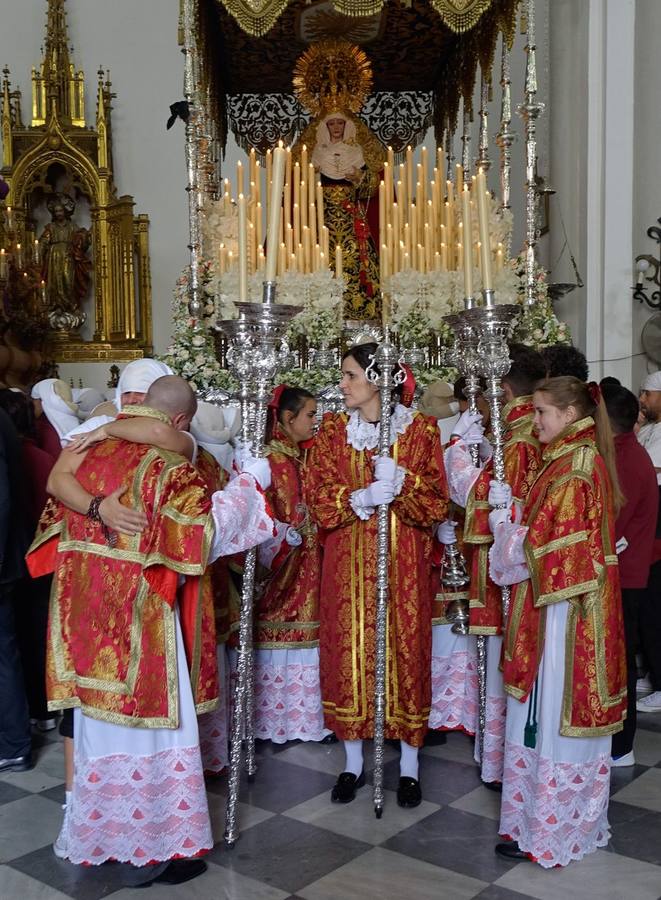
256, 17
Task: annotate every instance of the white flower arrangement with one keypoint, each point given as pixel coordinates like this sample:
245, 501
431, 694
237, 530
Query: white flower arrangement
420, 301
220, 225
313, 380
192, 353
537, 325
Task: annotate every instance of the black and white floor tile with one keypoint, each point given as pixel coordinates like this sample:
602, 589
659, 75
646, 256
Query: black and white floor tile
296, 845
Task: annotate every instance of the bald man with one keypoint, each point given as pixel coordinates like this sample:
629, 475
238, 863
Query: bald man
130, 651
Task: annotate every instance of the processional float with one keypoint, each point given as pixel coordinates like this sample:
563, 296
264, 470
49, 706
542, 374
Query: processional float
256, 352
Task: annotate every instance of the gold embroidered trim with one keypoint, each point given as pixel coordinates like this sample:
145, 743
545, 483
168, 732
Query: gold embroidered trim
558, 543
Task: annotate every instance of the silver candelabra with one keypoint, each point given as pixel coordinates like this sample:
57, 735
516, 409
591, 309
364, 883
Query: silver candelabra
255, 355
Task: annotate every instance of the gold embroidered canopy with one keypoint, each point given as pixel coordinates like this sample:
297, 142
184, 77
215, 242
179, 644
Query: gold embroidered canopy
256, 17
424, 56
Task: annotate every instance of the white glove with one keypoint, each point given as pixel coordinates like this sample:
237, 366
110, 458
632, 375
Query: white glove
469, 427
485, 451
259, 469
242, 452
500, 494
385, 468
621, 545
498, 517
376, 494
293, 537
446, 532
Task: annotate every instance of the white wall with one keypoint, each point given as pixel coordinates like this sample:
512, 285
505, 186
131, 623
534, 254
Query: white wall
137, 41
647, 159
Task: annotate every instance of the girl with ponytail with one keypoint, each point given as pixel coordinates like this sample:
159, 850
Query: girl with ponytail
287, 695
564, 663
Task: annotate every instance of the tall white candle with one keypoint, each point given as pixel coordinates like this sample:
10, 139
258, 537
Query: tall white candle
483, 218
468, 252
243, 250
277, 182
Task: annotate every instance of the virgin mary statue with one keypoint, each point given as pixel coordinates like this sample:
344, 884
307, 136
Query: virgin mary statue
332, 79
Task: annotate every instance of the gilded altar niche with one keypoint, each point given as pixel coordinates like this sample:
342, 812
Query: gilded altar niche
74, 258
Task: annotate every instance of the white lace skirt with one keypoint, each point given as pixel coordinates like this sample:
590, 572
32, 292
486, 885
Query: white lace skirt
138, 793
287, 696
494, 733
454, 681
555, 795
214, 726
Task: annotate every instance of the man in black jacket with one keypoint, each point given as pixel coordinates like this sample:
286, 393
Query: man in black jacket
15, 740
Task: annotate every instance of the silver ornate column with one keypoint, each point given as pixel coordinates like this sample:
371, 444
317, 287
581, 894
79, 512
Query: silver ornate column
194, 188
491, 324
254, 356
466, 162
505, 136
379, 372
530, 110
483, 161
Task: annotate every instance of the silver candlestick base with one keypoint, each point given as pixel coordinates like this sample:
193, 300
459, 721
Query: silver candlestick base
256, 353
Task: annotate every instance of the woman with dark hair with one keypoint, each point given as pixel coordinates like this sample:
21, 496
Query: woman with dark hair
564, 662
287, 694
348, 482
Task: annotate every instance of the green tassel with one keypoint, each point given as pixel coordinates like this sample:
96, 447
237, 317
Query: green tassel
530, 736
530, 730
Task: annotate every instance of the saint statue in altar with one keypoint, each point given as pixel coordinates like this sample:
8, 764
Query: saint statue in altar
332, 79
66, 265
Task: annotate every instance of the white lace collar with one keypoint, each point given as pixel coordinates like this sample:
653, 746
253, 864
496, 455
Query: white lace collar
362, 435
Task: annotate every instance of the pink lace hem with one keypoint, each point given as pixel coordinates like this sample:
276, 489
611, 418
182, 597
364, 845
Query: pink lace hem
494, 740
454, 692
288, 703
139, 809
558, 812
214, 746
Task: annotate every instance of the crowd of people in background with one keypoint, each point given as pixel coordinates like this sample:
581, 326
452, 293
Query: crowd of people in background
134, 514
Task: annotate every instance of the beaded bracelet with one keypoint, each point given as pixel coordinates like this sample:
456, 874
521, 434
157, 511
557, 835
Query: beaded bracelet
94, 515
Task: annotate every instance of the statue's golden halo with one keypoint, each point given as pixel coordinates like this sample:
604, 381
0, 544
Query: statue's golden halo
332, 75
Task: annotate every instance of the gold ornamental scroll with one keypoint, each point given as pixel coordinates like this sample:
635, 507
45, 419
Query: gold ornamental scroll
257, 17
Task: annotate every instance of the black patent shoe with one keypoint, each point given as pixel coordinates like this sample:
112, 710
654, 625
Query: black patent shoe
496, 786
331, 738
178, 872
409, 794
510, 850
346, 786
16, 763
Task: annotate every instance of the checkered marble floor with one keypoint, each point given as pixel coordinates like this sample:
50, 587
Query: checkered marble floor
296, 844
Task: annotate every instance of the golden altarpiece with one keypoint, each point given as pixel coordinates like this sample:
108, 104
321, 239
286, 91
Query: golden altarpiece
74, 259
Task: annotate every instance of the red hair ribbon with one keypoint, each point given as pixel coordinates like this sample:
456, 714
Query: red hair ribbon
595, 392
408, 387
274, 402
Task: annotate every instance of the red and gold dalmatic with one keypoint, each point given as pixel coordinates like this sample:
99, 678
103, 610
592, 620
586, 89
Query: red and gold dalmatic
111, 643
522, 453
287, 614
570, 553
348, 581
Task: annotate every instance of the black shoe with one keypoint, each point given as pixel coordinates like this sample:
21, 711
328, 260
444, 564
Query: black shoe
510, 850
346, 786
496, 786
409, 794
177, 872
17, 764
331, 738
